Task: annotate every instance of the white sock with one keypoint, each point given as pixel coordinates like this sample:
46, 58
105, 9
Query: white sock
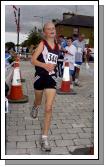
44, 136
76, 80
36, 107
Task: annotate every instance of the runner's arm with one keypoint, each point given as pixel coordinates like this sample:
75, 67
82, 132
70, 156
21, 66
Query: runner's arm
38, 51
35, 55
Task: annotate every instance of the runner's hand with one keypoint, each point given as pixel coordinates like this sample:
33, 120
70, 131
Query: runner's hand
49, 67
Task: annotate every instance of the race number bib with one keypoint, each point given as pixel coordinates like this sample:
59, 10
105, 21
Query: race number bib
52, 58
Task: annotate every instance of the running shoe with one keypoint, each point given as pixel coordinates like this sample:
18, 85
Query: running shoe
77, 84
45, 146
34, 112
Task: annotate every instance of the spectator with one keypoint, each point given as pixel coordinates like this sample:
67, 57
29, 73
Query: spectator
8, 57
80, 45
87, 51
13, 54
27, 50
75, 37
62, 41
6, 89
22, 50
63, 44
70, 57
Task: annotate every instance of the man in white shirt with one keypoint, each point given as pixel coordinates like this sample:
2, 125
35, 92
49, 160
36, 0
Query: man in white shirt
80, 46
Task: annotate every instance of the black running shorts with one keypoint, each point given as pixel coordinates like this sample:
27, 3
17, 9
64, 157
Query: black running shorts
45, 82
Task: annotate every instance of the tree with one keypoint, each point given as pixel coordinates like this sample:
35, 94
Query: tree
10, 45
25, 43
33, 38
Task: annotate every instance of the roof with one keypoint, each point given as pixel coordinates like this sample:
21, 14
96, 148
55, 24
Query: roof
78, 20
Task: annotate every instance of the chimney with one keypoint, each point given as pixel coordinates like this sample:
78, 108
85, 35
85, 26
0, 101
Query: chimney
68, 15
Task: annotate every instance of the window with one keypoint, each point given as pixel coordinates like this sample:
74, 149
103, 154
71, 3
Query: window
75, 31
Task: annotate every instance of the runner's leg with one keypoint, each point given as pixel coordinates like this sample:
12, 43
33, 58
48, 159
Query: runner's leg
50, 96
38, 97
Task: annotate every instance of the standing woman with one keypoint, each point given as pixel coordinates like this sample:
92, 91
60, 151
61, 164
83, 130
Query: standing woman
45, 60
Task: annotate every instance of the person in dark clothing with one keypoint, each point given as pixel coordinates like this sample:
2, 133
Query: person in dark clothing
63, 44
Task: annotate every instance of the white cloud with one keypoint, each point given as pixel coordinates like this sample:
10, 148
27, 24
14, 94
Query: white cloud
12, 37
28, 21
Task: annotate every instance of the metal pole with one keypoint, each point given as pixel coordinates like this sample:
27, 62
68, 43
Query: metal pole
76, 9
42, 23
18, 29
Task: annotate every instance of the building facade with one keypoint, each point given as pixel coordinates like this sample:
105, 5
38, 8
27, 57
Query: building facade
77, 24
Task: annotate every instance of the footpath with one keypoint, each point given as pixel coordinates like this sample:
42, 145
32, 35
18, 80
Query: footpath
72, 122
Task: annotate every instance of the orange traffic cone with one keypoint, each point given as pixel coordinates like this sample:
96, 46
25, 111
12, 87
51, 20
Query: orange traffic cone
16, 93
17, 64
65, 85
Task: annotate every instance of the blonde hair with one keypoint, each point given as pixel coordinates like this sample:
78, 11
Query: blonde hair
46, 24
